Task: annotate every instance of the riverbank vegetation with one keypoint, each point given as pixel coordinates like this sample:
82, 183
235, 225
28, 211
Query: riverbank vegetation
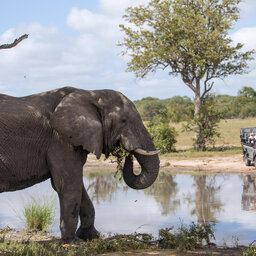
181, 239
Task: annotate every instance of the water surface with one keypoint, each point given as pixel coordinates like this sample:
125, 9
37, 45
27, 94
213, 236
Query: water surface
227, 200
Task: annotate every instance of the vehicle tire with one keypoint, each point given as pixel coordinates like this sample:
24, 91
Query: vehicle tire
247, 161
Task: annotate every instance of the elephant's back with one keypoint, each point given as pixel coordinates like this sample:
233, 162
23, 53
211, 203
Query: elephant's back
25, 136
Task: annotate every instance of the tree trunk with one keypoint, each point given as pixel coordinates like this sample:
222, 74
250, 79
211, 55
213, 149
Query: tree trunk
198, 133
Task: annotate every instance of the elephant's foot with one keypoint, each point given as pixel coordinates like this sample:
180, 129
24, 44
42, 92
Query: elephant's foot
87, 233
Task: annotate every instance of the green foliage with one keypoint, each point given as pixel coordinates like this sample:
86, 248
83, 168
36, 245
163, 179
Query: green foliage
163, 135
119, 154
207, 122
250, 251
189, 37
152, 110
247, 92
186, 237
38, 216
168, 238
180, 109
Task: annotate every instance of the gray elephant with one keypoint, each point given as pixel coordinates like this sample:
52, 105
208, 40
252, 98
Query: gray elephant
49, 135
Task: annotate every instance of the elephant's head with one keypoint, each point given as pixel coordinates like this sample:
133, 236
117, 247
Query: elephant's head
102, 119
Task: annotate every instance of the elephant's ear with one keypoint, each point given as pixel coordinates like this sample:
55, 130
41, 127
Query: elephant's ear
77, 121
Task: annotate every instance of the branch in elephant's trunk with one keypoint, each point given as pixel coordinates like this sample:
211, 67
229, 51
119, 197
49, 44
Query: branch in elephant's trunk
147, 153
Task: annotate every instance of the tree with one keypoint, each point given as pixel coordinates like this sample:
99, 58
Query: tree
188, 38
207, 122
15, 42
152, 110
180, 108
247, 92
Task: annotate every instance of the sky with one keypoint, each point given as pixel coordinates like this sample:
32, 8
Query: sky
74, 43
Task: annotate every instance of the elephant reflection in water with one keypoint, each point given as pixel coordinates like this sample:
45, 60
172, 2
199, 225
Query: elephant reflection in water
206, 202
249, 193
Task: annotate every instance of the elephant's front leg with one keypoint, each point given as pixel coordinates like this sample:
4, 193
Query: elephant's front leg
70, 201
86, 230
66, 167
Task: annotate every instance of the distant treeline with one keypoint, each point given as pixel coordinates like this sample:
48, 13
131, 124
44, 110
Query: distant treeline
177, 109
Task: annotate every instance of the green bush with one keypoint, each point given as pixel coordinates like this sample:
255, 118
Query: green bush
163, 135
250, 251
38, 216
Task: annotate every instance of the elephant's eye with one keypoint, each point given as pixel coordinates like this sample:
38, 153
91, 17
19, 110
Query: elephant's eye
123, 121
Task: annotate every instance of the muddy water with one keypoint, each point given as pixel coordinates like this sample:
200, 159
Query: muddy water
227, 200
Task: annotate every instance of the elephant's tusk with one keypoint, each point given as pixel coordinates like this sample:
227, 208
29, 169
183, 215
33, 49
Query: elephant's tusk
146, 153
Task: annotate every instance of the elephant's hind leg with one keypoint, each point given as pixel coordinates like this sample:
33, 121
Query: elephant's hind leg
86, 230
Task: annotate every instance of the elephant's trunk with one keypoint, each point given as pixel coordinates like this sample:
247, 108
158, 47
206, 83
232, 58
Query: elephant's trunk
149, 171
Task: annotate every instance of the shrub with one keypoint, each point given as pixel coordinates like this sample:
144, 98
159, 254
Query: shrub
163, 135
38, 216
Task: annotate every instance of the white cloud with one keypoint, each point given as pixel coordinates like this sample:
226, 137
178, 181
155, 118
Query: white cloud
247, 6
246, 36
94, 23
117, 8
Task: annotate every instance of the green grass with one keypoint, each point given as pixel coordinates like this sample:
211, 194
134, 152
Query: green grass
183, 238
229, 130
191, 153
38, 215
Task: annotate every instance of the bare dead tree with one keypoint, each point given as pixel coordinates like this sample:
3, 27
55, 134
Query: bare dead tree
15, 42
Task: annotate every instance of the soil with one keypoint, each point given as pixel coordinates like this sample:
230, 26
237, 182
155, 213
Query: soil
217, 164
225, 164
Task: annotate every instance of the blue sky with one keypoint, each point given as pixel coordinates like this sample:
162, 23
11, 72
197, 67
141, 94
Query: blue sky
73, 43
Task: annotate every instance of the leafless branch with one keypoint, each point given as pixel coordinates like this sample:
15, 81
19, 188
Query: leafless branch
15, 42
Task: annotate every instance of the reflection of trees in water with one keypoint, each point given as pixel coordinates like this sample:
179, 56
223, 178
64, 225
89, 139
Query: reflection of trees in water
249, 193
164, 191
206, 202
102, 186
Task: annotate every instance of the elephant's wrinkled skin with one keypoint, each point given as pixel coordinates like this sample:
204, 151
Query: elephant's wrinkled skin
49, 135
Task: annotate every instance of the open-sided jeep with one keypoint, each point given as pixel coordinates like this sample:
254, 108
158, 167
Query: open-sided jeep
249, 149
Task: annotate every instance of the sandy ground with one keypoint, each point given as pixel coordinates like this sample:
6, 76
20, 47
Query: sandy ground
226, 164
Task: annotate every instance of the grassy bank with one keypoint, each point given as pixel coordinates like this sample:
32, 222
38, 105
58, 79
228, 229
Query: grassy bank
180, 240
190, 153
229, 130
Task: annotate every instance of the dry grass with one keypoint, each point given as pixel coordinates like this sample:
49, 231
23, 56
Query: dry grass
229, 130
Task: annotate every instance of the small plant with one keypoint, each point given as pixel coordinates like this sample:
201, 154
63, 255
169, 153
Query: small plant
38, 216
186, 237
167, 164
251, 250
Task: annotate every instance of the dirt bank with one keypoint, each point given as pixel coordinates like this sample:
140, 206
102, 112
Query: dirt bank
224, 164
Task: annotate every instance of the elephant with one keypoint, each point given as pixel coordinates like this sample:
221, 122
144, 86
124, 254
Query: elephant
49, 136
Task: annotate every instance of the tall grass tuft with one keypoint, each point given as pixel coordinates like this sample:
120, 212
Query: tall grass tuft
38, 216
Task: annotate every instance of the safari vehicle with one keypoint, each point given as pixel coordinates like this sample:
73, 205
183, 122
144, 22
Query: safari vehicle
248, 145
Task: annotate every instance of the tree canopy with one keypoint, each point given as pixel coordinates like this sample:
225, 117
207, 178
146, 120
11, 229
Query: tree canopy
188, 38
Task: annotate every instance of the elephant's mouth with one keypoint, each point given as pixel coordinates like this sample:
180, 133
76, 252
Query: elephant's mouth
148, 161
